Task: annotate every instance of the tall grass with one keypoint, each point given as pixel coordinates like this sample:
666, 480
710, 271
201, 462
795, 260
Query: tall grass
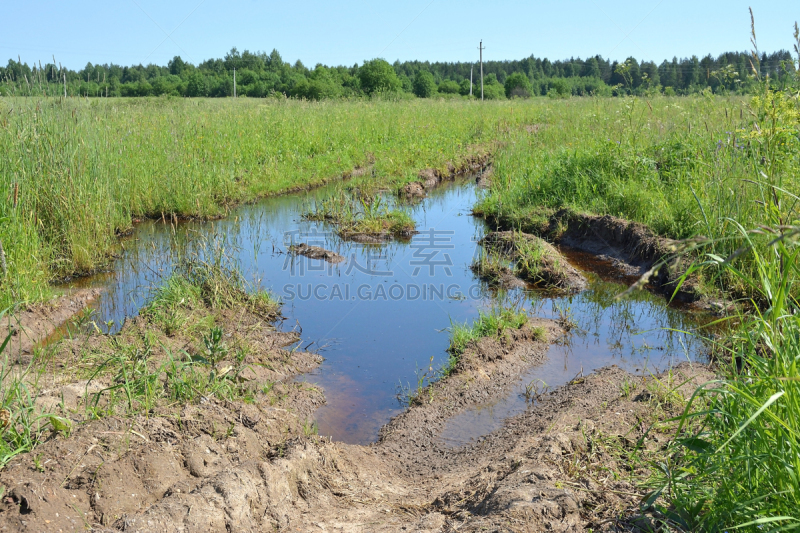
736, 460
684, 167
360, 213
76, 172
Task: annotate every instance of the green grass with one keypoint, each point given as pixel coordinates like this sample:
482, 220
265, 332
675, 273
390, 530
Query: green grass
736, 459
492, 267
76, 172
23, 424
357, 213
682, 166
492, 323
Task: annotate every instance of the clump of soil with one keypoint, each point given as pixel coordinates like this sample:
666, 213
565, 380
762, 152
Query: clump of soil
484, 179
497, 274
223, 465
537, 261
316, 252
430, 178
35, 323
633, 247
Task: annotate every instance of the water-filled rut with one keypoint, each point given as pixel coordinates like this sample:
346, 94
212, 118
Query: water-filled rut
380, 317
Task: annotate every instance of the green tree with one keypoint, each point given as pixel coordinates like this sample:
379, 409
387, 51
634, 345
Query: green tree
518, 85
197, 85
591, 69
448, 87
378, 76
176, 65
492, 89
424, 86
406, 83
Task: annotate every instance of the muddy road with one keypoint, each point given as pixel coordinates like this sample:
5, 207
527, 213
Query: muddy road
334, 445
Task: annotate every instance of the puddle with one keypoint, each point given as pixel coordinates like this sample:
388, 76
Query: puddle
640, 334
383, 313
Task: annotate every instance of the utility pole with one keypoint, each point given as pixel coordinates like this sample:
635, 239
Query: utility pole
470, 79
481, 49
65, 84
234, 82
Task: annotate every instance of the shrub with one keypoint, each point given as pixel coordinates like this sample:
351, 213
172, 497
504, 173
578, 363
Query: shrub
449, 87
378, 75
518, 85
424, 86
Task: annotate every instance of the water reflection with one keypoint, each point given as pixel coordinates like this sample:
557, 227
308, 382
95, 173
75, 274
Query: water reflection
375, 339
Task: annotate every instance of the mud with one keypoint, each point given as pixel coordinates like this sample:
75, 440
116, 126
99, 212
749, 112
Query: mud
634, 248
430, 178
35, 323
238, 466
549, 269
499, 276
316, 252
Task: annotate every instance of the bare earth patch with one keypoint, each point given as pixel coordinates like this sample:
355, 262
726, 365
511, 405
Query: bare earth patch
431, 178
37, 322
316, 252
217, 465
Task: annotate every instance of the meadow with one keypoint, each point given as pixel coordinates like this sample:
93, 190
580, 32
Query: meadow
720, 173
76, 173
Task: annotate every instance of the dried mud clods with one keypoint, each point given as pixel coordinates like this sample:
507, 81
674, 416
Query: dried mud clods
430, 178
535, 261
199, 468
165, 426
316, 252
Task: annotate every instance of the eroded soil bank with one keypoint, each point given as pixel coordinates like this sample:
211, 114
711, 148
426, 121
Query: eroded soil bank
633, 248
220, 465
37, 322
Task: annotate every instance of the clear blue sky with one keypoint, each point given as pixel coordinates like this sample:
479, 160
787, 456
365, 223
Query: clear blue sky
136, 31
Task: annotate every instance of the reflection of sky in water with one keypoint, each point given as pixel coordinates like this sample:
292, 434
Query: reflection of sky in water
369, 314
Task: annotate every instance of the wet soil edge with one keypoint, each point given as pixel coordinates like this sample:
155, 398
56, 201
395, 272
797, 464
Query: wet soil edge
633, 246
37, 322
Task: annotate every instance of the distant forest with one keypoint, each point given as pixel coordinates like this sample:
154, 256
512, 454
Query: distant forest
261, 75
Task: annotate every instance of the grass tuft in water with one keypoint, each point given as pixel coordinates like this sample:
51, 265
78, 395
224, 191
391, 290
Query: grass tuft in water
362, 214
493, 323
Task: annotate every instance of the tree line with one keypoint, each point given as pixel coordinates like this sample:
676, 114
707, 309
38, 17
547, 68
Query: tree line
259, 74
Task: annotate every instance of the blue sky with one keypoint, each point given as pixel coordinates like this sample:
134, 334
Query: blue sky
145, 31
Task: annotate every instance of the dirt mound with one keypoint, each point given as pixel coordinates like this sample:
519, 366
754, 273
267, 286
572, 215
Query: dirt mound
537, 261
316, 252
37, 322
238, 466
498, 275
634, 248
430, 178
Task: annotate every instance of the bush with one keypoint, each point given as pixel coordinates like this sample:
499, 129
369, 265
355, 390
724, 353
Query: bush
518, 85
378, 76
424, 86
492, 89
449, 87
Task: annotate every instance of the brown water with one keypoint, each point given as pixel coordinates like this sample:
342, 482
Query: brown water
379, 317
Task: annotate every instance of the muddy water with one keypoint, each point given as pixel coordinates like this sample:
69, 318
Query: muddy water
380, 317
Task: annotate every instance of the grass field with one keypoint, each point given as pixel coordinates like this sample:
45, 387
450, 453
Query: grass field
722, 172
76, 172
